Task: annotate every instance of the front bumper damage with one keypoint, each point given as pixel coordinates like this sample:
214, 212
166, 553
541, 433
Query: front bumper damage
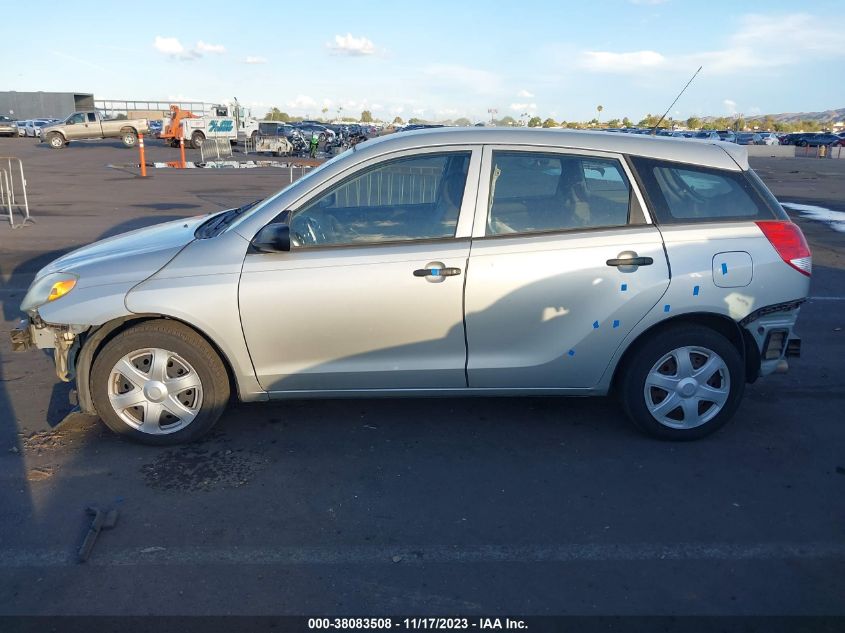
64, 340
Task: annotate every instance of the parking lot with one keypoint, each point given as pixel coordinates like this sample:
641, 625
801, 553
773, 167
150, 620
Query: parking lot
497, 506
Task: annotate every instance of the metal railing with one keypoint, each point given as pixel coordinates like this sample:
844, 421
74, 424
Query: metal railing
13, 199
214, 148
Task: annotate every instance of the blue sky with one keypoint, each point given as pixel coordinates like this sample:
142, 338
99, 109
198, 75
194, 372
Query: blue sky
443, 59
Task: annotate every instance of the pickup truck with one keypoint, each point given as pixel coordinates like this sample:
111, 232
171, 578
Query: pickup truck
91, 124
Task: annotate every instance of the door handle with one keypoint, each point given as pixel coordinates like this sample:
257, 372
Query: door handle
630, 261
437, 272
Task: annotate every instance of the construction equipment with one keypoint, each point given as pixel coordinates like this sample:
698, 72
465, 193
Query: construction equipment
195, 130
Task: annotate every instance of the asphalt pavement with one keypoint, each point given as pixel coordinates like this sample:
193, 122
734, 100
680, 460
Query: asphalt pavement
485, 507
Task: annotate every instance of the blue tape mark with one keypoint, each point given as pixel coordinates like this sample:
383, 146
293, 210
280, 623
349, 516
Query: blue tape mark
571, 352
595, 325
624, 287
695, 291
666, 308
435, 272
724, 268
616, 323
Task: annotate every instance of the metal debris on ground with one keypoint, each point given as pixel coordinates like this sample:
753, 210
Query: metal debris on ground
103, 520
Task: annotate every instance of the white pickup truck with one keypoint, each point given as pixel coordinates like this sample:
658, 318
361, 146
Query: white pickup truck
91, 125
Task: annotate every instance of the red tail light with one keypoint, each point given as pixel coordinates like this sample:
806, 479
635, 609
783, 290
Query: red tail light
790, 244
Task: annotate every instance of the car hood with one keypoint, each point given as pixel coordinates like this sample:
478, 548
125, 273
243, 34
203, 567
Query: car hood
131, 256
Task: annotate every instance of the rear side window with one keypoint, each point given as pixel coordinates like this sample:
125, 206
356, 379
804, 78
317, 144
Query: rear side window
681, 193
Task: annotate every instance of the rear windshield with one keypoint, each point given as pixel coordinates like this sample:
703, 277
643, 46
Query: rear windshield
681, 193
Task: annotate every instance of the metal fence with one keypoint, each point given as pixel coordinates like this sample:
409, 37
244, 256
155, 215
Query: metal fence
214, 148
13, 198
395, 186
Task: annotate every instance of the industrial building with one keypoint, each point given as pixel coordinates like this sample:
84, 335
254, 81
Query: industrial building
43, 105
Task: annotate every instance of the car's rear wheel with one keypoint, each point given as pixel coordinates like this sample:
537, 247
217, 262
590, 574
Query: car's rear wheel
129, 138
159, 383
683, 384
197, 139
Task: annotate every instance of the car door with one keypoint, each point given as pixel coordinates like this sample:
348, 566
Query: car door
75, 126
564, 263
370, 296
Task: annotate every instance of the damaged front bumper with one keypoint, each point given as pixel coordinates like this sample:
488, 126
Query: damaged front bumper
64, 340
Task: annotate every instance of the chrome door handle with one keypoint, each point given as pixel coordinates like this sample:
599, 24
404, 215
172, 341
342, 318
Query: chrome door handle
630, 261
437, 272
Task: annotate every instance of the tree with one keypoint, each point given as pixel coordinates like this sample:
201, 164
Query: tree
535, 121
398, 121
463, 122
613, 123
277, 115
626, 122
549, 123
572, 125
693, 123
415, 120
599, 108
508, 120
366, 117
324, 110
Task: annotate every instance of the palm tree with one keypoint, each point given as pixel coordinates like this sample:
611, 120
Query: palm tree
599, 108
324, 110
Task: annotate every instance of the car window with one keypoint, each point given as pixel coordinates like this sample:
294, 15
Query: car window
92, 118
400, 200
687, 193
79, 117
534, 192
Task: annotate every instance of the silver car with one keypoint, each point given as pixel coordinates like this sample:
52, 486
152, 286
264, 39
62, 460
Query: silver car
446, 262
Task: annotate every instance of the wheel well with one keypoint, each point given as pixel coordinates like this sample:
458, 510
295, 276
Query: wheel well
129, 128
97, 339
724, 325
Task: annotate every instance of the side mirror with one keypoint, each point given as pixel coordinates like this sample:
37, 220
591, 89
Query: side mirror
273, 238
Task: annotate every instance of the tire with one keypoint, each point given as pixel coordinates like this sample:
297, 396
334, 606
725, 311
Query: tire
159, 412
129, 138
56, 140
197, 139
654, 375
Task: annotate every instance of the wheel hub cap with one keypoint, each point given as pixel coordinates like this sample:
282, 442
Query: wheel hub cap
687, 387
155, 391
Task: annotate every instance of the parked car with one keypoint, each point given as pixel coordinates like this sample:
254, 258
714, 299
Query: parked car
20, 127
8, 126
34, 127
769, 138
707, 135
92, 125
727, 135
749, 138
450, 262
794, 138
309, 129
815, 140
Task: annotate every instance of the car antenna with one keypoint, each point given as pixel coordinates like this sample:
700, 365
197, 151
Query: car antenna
654, 129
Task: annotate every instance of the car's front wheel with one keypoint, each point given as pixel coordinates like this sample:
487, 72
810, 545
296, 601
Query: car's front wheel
159, 383
683, 383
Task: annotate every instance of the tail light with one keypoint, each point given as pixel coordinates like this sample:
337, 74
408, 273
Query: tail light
790, 244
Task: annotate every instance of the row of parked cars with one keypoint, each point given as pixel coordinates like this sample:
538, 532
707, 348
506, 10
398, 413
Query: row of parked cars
28, 127
803, 139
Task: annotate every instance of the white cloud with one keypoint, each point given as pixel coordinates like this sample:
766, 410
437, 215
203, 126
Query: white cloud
760, 42
605, 61
204, 47
169, 46
418, 111
456, 76
524, 94
255, 59
302, 102
730, 106
523, 107
349, 45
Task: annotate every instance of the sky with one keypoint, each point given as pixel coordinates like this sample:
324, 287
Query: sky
440, 60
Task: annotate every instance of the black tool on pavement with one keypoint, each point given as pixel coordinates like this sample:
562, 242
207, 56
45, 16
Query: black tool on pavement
103, 520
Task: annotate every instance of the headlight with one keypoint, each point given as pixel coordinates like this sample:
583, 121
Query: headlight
48, 288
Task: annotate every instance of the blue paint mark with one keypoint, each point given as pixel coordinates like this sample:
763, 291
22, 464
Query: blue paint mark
595, 325
616, 323
435, 272
571, 352
666, 308
695, 291
624, 287
724, 268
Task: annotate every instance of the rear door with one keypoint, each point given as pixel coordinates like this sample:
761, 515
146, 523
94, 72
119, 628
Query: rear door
549, 296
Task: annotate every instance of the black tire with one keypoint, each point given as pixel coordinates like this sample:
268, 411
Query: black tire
644, 357
56, 140
129, 138
197, 139
177, 338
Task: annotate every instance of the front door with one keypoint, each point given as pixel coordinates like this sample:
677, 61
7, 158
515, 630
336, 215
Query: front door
370, 297
549, 297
